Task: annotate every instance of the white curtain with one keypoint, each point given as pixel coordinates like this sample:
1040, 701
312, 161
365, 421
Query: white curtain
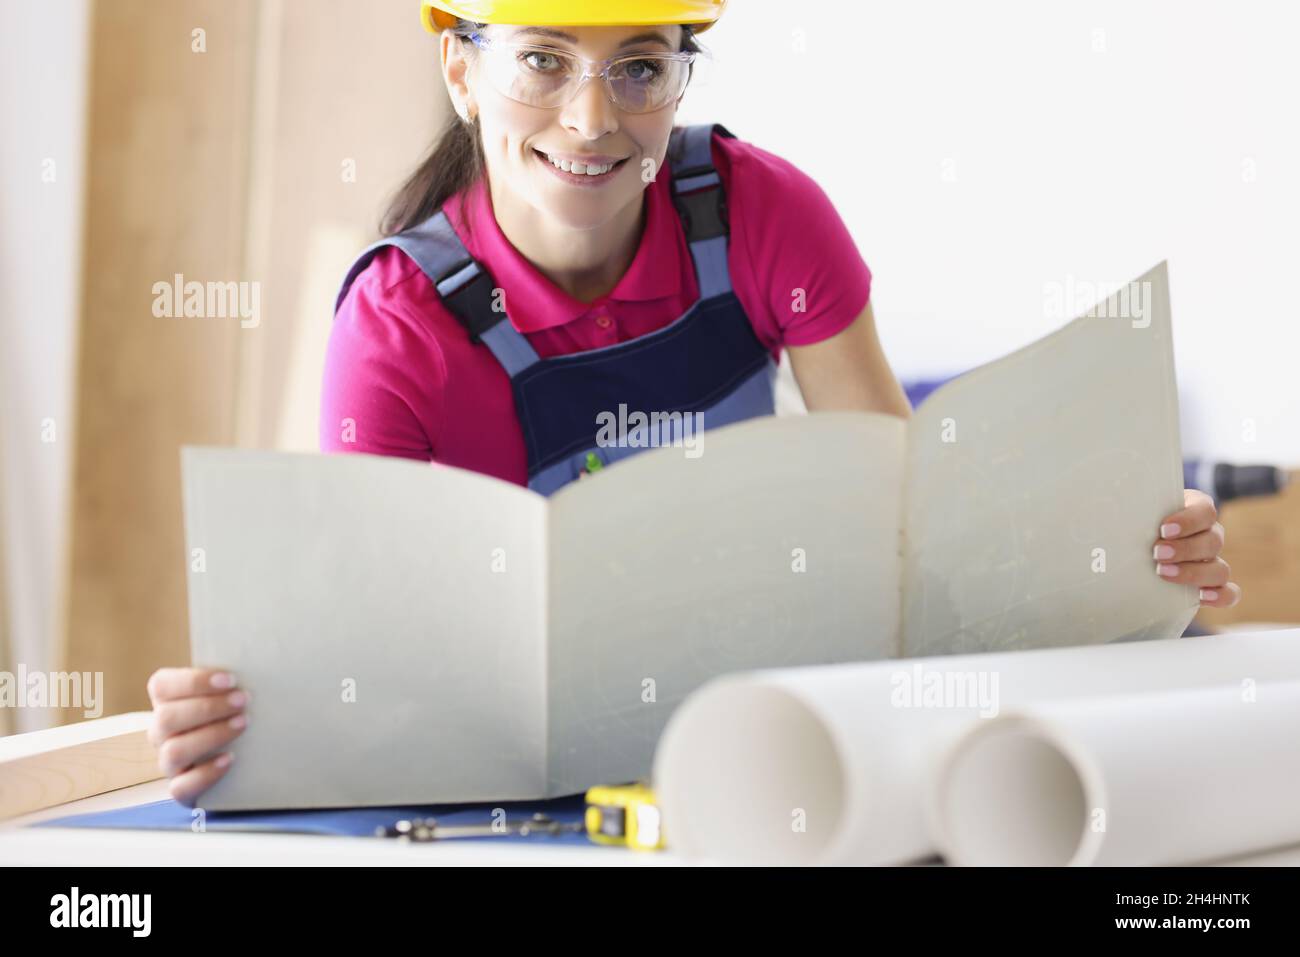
43, 63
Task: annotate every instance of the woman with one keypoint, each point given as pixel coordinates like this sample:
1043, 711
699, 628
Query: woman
588, 258
565, 250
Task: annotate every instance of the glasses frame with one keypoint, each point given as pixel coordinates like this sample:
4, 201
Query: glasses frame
489, 44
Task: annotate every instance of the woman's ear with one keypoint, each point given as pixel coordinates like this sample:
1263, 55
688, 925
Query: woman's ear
455, 73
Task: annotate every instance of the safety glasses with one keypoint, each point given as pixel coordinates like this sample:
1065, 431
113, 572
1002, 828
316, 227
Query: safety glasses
548, 78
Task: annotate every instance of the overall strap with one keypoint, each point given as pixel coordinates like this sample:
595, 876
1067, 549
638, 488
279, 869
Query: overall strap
701, 203
465, 287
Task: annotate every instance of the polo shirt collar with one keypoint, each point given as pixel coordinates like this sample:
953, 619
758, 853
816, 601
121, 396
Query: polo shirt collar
534, 302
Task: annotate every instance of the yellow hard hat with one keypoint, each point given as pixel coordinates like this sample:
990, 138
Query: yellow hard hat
437, 15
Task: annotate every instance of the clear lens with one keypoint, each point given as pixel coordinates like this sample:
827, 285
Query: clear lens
648, 83
531, 75
548, 78
541, 77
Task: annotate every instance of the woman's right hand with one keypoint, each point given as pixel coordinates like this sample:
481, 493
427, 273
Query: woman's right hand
197, 712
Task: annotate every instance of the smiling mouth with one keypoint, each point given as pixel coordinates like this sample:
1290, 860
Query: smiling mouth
580, 169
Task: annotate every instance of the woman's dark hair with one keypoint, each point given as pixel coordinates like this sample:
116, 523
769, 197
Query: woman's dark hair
455, 160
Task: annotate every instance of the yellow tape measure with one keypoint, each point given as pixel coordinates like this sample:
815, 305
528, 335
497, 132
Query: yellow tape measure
624, 816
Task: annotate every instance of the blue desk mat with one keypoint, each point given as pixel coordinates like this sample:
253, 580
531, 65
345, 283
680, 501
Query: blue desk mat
168, 815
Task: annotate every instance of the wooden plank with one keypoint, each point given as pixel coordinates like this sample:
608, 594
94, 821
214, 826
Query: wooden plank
166, 189
234, 164
46, 768
1262, 545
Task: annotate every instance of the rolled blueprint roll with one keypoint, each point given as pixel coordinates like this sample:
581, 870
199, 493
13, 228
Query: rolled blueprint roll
1171, 777
830, 764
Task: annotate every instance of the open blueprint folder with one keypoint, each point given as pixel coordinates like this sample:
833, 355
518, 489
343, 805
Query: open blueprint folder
169, 815
413, 633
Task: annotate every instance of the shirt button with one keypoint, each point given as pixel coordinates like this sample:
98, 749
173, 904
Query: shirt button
603, 321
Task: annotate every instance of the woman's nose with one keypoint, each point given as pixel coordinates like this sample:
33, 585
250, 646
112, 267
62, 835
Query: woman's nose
591, 113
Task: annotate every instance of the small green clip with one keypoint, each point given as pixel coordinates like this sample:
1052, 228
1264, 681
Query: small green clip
594, 464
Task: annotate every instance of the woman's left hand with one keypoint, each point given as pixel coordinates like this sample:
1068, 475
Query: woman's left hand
1187, 551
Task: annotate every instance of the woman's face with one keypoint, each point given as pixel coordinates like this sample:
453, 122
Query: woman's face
518, 138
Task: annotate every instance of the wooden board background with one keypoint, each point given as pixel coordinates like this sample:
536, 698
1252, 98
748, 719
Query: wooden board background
1262, 545
223, 166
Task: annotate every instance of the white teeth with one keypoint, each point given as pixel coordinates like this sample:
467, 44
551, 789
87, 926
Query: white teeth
579, 168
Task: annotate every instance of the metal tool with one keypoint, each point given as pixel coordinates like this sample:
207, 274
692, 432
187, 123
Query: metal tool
422, 830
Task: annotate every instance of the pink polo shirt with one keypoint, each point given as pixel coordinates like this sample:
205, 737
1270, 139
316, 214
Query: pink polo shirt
402, 378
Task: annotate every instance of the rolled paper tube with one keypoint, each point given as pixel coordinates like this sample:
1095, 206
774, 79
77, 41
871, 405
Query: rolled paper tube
830, 764
1174, 777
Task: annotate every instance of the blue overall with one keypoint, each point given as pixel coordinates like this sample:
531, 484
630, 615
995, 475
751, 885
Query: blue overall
707, 362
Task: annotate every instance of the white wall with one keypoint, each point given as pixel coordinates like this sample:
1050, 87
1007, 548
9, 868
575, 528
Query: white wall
42, 114
1082, 140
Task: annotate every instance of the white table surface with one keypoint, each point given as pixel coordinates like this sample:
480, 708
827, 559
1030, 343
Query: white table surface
95, 847
80, 847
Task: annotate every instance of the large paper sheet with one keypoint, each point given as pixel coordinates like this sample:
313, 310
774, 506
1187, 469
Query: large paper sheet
833, 764
386, 659
1035, 485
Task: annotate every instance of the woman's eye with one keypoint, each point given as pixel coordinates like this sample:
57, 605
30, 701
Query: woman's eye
540, 61
642, 70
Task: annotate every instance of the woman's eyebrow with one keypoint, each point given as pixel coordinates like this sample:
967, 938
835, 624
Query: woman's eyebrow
552, 34
544, 32
646, 38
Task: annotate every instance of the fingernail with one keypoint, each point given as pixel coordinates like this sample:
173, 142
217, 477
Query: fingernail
223, 679
1168, 571
1171, 530
238, 722
1164, 551
1209, 594
223, 760
236, 699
